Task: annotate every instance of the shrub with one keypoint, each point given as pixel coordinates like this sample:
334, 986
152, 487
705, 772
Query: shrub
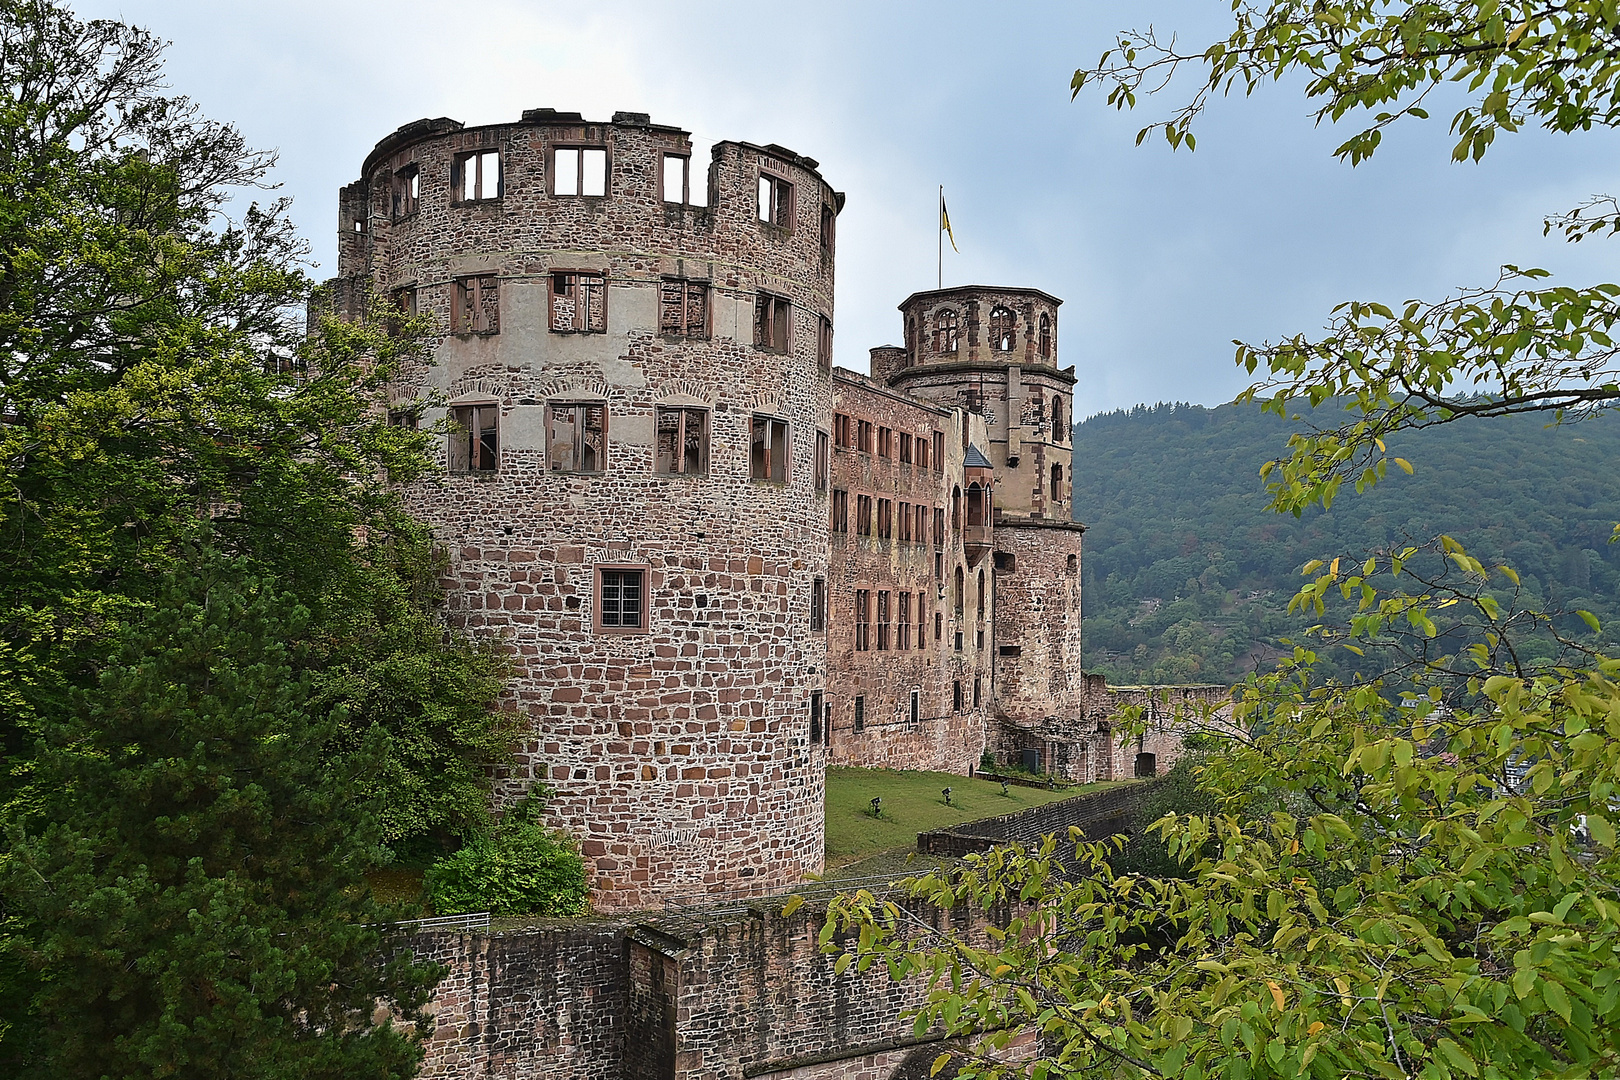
519, 868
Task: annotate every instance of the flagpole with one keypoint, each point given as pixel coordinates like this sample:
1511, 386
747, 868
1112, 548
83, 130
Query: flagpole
939, 238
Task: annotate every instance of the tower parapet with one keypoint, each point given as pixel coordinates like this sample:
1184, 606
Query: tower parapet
634, 378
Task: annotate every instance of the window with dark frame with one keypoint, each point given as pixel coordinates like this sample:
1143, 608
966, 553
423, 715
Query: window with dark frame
768, 449
1003, 329
939, 526
860, 713
818, 604
681, 441
916, 708
840, 510
408, 416
863, 515
773, 321
815, 717
579, 171
863, 620
476, 176
578, 303
475, 306
576, 437
407, 191
677, 178
620, 602
475, 438
775, 200
947, 331
823, 461
683, 308
883, 620
922, 621
956, 695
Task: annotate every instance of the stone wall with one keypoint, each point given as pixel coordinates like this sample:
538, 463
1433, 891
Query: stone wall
1098, 814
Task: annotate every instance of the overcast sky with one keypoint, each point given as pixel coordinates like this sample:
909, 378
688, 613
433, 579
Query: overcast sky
1161, 258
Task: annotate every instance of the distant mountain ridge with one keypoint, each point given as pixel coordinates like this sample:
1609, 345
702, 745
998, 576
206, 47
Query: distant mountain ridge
1186, 574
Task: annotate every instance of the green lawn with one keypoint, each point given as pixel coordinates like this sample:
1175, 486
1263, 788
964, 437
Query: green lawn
912, 803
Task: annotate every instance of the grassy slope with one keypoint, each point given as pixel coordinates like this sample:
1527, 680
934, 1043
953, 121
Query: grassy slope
912, 803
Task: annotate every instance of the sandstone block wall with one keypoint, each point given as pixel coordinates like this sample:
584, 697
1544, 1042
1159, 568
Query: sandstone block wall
1098, 814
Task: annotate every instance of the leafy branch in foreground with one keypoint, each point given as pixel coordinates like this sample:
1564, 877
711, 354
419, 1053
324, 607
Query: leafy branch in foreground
1401, 880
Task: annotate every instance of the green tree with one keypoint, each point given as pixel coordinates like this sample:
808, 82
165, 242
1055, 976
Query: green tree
198, 891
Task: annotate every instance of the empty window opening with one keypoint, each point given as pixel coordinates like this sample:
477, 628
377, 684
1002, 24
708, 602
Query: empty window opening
905, 448
863, 436
677, 178
768, 449
1073, 563
947, 331
1046, 336
818, 604
885, 518
981, 596
1003, 329
956, 509
883, 620
1057, 483
1011, 650
840, 510
939, 566
916, 708
682, 442
959, 641
1059, 432
939, 452
956, 594
476, 305
407, 191
773, 319
824, 343
843, 430
1005, 562
885, 442
477, 176
829, 217
863, 620
922, 622
977, 692
683, 309
939, 534
860, 713
939, 626
863, 515
902, 626
823, 461
775, 201
903, 516
475, 440
407, 416
359, 224
576, 437
956, 695
620, 606
579, 170
815, 716
578, 303
403, 301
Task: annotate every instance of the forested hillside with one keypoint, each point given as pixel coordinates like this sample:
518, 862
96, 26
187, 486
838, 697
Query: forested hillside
1187, 574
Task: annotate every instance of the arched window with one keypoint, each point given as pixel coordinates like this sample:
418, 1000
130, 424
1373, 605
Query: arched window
947, 331
1003, 329
959, 587
981, 596
1057, 483
1046, 336
975, 504
1058, 430
956, 509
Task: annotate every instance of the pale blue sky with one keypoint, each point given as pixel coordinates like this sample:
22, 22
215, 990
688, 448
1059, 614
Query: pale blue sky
1161, 258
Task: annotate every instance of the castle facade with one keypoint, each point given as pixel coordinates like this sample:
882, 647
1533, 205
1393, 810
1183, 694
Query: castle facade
720, 563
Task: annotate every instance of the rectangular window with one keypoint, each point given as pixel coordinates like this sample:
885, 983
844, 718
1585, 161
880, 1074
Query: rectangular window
922, 621
958, 641
863, 620
905, 448
576, 437
476, 176
773, 318
677, 178
407, 191
939, 452
921, 535
976, 689
860, 713
823, 461
883, 620
407, 416
863, 515
681, 442
824, 343
902, 632
579, 303
818, 604
775, 201
922, 452
815, 717
939, 531
863, 436
843, 430
768, 449
683, 309
829, 215
620, 599
475, 305
475, 440
956, 695
939, 562
403, 301
579, 170
885, 518
903, 515
916, 707
840, 510
939, 626
885, 442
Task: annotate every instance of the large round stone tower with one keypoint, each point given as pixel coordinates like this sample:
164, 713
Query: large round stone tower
634, 382
993, 351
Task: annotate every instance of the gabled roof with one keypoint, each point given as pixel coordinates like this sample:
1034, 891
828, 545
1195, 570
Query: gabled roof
975, 459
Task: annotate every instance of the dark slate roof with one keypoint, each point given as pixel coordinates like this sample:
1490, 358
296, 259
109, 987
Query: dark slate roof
975, 459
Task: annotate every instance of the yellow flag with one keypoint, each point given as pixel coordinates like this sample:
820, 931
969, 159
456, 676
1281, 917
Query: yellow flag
945, 223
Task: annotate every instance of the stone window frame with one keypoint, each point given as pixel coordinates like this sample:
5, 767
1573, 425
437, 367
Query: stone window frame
947, 332
902, 623
777, 205
885, 442
914, 710
773, 322
468, 291
771, 424
829, 231
823, 460
843, 430
903, 520
863, 514
578, 274
688, 286
863, 620
885, 612
839, 513
1002, 326
860, 712
939, 452
406, 184
579, 403
679, 461
864, 436
885, 518
471, 464
1060, 431
1045, 339
597, 625
818, 605
924, 445
1057, 482
903, 451
579, 149
686, 177
824, 343
458, 176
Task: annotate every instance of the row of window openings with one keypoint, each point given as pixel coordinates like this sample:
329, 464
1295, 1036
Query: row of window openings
578, 305
862, 435
821, 710
621, 592
576, 441
947, 333
582, 171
